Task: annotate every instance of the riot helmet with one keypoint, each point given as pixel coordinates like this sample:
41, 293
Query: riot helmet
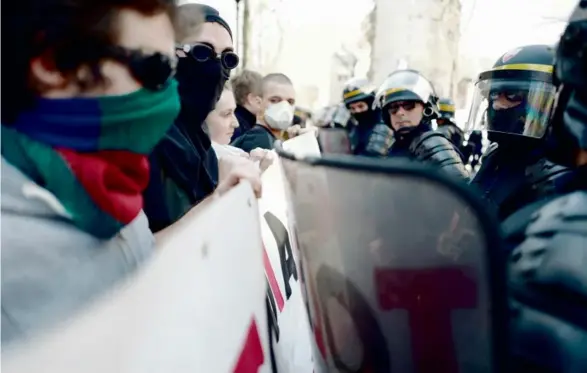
358, 97
407, 90
446, 111
335, 116
515, 97
568, 129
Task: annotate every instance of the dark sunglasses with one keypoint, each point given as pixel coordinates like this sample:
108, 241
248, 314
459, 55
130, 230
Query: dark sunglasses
152, 70
406, 105
204, 52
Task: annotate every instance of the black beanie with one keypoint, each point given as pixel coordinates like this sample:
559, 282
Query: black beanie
212, 15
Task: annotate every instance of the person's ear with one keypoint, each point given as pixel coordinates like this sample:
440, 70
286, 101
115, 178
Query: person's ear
45, 74
252, 100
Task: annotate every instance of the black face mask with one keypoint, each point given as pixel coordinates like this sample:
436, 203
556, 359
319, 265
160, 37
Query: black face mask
200, 87
368, 118
507, 120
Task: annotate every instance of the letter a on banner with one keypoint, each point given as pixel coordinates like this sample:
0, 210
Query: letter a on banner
291, 333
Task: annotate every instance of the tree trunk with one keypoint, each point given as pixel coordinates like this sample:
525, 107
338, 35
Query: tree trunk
246, 33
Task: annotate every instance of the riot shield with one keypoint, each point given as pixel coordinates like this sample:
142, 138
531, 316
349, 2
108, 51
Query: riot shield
401, 267
334, 141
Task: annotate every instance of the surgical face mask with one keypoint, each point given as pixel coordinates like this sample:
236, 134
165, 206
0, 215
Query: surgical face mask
279, 116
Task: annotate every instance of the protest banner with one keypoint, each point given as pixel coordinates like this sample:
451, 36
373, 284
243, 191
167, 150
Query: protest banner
291, 336
197, 306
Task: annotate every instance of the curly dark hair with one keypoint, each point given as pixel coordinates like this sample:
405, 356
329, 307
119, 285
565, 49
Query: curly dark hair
72, 33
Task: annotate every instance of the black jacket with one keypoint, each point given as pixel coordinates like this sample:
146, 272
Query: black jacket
548, 282
257, 137
456, 135
246, 121
183, 171
513, 176
425, 145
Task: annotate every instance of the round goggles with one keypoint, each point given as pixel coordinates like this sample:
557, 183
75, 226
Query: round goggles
203, 52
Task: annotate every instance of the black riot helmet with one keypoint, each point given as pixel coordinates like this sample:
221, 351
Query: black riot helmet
407, 85
568, 130
446, 110
515, 97
359, 90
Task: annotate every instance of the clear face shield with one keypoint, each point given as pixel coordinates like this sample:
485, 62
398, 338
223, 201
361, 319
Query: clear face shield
515, 106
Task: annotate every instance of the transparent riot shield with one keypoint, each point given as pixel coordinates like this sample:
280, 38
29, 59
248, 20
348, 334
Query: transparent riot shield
401, 268
334, 141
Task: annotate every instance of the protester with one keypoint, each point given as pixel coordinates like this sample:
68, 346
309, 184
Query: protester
247, 87
220, 126
275, 117
184, 167
90, 95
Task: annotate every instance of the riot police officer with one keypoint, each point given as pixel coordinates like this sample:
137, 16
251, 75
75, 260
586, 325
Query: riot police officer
446, 123
514, 99
409, 104
548, 270
369, 136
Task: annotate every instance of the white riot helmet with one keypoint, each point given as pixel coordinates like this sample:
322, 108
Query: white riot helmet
407, 85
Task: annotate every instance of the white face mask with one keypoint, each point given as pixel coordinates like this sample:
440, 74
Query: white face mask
279, 116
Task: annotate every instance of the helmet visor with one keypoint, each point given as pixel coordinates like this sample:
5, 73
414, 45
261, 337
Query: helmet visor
404, 85
520, 107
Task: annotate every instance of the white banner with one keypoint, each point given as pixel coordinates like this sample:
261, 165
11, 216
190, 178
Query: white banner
197, 306
290, 329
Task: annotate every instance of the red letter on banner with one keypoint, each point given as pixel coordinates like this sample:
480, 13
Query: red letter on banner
272, 281
429, 295
251, 357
